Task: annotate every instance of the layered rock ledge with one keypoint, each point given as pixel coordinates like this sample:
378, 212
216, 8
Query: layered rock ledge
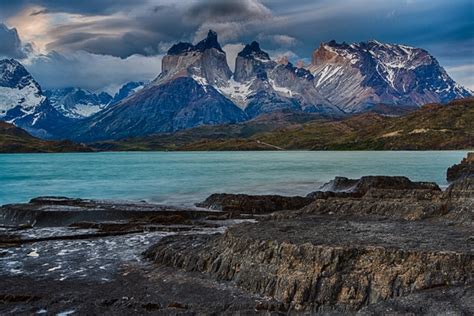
322, 262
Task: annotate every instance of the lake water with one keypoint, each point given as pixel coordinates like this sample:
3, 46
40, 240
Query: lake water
183, 178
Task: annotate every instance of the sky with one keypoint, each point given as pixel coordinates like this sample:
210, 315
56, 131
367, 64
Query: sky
101, 44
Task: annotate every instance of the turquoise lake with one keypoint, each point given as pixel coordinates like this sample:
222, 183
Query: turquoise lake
183, 178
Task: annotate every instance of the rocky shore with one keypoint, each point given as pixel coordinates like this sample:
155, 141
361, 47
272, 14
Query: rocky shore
369, 246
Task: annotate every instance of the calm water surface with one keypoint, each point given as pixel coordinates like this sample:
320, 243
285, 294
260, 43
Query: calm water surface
183, 178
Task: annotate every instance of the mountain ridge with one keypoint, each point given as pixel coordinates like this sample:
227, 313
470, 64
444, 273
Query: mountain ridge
341, 79
381, 73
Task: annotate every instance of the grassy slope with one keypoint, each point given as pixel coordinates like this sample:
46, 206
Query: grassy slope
224, 137
16, 140
431, 127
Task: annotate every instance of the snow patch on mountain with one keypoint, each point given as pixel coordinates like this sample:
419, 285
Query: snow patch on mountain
237, 91
77, 103
27, 98
285, 91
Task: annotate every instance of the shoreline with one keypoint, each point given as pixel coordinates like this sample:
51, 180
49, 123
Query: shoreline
238, 151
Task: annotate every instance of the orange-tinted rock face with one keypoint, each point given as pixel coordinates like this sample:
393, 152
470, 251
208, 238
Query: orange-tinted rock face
323, 55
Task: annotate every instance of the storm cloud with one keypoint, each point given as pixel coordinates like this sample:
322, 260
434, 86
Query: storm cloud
122, 29
91, 71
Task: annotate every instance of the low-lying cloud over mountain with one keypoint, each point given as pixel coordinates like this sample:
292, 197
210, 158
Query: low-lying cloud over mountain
121, 30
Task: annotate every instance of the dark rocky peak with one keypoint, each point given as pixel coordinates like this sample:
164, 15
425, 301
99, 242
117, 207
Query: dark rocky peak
334, 44
181, 48
299, 72
251, 63
209, 42
303, 73
253, 50
104, 97
205, 62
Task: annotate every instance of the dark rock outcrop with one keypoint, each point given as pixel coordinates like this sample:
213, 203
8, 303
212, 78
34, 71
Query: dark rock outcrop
253, 204
462, 170
62, 211
361, 186
394, 197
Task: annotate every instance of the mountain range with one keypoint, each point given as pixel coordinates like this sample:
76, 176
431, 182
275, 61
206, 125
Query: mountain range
196, 87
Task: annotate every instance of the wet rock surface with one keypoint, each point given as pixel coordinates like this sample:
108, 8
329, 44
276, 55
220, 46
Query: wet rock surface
253, 204
62, 211
359, 187
60, 255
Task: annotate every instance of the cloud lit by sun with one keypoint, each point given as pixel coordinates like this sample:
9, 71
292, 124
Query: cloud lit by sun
33, 28
39, 27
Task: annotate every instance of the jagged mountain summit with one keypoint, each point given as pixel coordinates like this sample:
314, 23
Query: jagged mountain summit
358, 76
196, 87
205, 62
23, 103
261, 85
258, 84
77, 103
181, 97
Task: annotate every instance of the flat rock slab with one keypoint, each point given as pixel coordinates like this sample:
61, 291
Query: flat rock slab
60, 211
361, 232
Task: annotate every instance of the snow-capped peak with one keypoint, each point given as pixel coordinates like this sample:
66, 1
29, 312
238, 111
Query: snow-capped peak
18, 91
361, 74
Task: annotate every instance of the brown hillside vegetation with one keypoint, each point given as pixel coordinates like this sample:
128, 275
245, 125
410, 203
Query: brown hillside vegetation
17, 140
433, 126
